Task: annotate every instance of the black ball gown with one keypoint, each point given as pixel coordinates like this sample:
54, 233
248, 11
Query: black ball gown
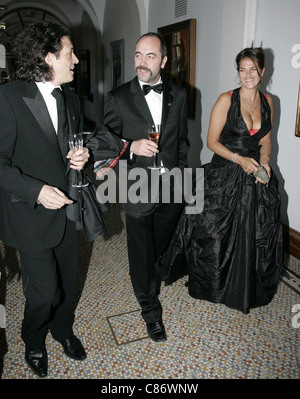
232, 251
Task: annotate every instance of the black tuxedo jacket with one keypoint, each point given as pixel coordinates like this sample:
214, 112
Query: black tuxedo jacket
29, 158
127, 115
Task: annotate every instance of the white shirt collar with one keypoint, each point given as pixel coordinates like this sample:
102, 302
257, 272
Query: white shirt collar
144, 83
46, 88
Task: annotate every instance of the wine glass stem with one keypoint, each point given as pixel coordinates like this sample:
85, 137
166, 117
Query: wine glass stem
79, 176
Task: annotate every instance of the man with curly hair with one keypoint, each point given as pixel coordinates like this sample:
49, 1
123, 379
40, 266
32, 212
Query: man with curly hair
34, 183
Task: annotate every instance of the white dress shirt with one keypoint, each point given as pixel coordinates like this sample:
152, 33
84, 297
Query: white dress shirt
46, 89
154, 101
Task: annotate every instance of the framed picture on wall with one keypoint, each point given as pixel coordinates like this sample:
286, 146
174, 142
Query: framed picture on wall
117, 63
181, 65
297, 130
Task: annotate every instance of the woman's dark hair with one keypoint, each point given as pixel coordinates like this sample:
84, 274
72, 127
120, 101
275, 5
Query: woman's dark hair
30, 47
256, 54
163, 44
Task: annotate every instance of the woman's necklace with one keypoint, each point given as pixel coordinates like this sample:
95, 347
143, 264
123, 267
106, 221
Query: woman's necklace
251, 110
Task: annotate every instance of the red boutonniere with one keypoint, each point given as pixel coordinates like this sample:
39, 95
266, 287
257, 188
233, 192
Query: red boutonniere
73, 118
169, 105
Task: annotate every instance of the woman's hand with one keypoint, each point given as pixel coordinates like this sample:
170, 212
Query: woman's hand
249, 165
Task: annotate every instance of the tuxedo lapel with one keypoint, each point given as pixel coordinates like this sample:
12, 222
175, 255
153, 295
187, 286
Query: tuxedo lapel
38, 108
167, 103
139, 101
70, 112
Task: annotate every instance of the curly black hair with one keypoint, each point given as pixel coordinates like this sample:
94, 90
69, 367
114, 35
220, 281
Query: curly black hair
30, 47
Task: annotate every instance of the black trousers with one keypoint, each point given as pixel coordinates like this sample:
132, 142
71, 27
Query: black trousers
49, 282
148, 235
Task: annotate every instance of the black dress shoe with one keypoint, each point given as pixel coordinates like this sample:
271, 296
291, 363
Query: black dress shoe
37, 360
73, 348
156, 331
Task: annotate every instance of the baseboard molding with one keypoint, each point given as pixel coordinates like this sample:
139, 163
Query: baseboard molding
291, 241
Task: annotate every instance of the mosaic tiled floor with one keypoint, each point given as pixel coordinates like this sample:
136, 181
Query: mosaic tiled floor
205, 341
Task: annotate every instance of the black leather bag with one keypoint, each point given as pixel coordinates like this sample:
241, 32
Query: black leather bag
86, 210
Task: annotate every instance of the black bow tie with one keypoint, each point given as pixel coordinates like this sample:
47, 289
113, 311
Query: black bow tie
157, 88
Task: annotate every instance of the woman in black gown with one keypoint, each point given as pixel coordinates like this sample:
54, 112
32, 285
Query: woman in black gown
232, 251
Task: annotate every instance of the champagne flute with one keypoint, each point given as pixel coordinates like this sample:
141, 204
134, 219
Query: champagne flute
76, 142
153, 135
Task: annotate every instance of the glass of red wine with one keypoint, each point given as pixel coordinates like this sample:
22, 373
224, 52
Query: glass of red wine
153, 135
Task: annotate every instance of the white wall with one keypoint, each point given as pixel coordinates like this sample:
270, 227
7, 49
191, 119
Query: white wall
219, 22
121, 21
224, 27
278, 28
127, 19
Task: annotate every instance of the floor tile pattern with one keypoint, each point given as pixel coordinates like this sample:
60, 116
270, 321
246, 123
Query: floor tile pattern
205, 340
